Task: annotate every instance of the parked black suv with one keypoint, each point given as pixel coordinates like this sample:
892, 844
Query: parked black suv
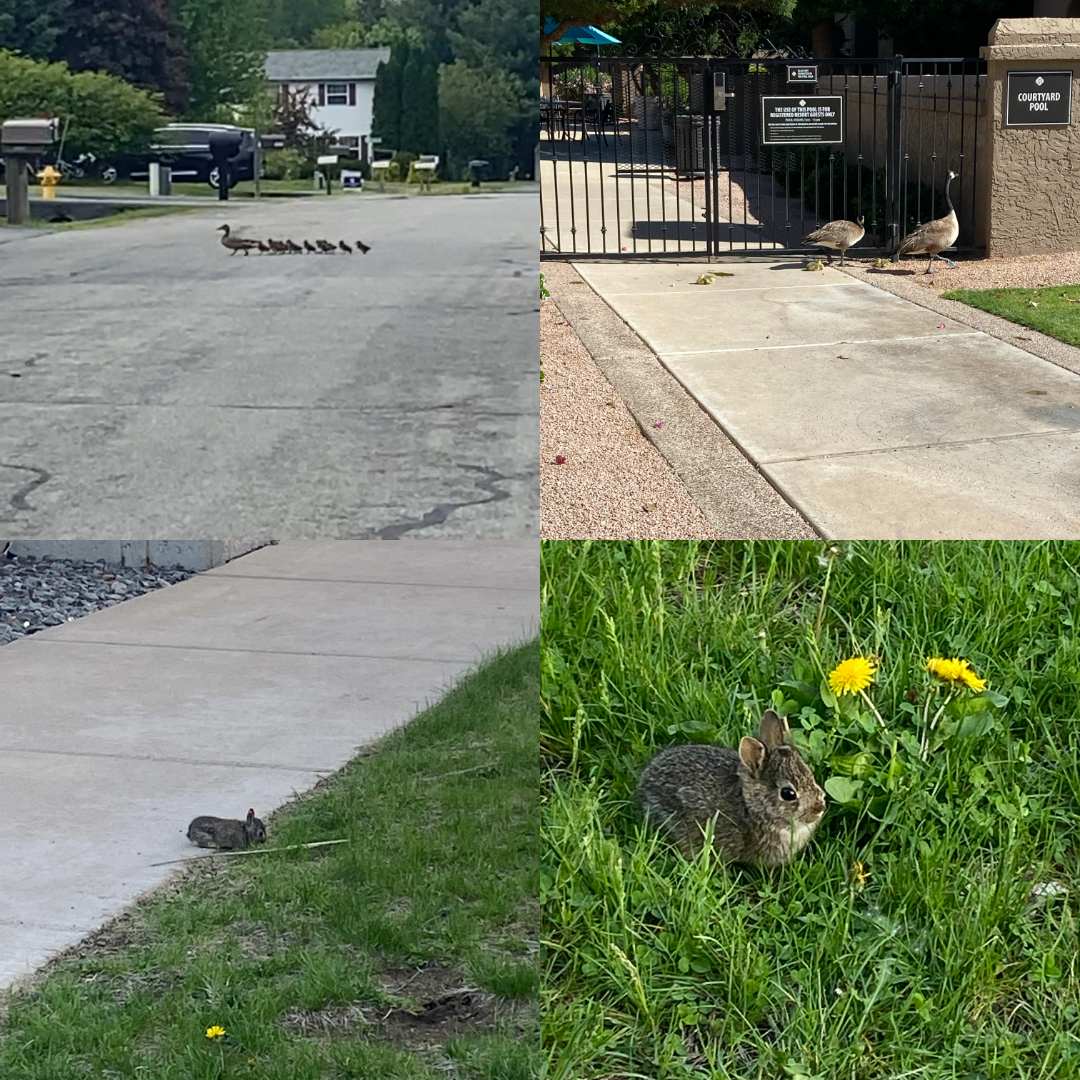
185, 148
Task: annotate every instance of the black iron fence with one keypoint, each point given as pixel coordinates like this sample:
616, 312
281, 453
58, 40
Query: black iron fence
669, 156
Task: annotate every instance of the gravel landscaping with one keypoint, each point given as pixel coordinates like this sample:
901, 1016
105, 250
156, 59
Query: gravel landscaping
611, 483
38, 593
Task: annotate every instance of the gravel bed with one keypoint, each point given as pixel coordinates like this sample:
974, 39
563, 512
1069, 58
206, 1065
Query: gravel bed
1015, 272
613, 484
38, 593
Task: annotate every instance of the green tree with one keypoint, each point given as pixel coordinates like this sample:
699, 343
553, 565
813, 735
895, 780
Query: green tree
937, 27
226, 44
292, 24
419, 102
136, 40
569, 13
386, 102
31, 26
477, 108
104, 114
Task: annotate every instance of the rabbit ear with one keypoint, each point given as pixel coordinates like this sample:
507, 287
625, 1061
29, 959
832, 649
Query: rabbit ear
774, 730
752, 753
251, 814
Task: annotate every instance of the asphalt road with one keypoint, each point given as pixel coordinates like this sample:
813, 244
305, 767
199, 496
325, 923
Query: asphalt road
153, 384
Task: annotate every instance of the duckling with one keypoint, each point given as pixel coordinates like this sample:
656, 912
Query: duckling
294, 249
881, 264
325, 245
362, 246
234, 243
344, 247
262, 247
815, 264
705, 279
309, 246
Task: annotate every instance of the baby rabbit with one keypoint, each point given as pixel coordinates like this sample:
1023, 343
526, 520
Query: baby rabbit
227, 833
762, 797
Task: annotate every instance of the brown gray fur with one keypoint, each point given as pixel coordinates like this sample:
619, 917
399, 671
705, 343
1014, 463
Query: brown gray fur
837, 234
933, 237
762, 797
226, 833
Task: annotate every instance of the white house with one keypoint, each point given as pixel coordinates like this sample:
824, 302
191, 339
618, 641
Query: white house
339, 83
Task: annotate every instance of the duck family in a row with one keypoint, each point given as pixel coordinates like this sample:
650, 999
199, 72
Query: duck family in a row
285, 247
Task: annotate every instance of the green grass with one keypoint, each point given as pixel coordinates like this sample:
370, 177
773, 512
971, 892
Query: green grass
300, 955
939, 964
1057, 313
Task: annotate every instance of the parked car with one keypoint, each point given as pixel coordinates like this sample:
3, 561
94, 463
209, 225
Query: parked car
185, 148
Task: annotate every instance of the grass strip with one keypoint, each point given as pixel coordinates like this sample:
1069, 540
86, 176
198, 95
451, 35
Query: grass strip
409, 952
1053, 310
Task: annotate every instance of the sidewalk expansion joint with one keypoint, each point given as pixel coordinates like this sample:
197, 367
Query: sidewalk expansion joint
262, 652
824, 344
924, 446
749, 288
374, 581
169, 760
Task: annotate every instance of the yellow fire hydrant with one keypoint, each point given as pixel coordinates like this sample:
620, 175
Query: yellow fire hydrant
48, 178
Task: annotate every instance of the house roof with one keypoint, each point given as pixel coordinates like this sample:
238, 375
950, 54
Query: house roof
318, 65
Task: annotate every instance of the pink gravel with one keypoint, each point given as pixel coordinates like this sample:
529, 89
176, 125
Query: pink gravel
614, 484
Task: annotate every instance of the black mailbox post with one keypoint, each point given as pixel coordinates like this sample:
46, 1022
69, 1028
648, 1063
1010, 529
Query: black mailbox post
478, 166
224, 146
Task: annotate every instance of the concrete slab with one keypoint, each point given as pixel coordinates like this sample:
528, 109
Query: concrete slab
847, 399
477, 564
699, 318
227, 691
874, 416
1002, 489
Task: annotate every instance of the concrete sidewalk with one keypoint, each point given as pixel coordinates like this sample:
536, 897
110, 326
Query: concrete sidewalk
233, 689
874, 416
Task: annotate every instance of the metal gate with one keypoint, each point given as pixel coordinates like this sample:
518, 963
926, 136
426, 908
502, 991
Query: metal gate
666, 156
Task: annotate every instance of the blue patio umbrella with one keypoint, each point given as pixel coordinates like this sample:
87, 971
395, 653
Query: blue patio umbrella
588, 35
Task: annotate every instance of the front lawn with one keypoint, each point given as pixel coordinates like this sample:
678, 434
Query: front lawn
1054, 310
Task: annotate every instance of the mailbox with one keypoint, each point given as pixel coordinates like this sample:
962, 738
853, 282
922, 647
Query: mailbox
224, 144
272, 141
27, 137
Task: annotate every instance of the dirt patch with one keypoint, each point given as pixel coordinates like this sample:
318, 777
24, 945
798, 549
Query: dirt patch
427, 1005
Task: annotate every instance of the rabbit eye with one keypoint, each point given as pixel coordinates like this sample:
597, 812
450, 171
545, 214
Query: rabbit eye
787, 793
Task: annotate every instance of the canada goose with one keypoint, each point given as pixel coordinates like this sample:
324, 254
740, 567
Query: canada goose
234, 243
325, 245
933, 237
309, 246
362, 246
837, 234
344, 247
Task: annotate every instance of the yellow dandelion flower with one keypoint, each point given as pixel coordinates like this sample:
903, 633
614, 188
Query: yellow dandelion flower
859, 874
851, 676
955, 671
215, 1032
